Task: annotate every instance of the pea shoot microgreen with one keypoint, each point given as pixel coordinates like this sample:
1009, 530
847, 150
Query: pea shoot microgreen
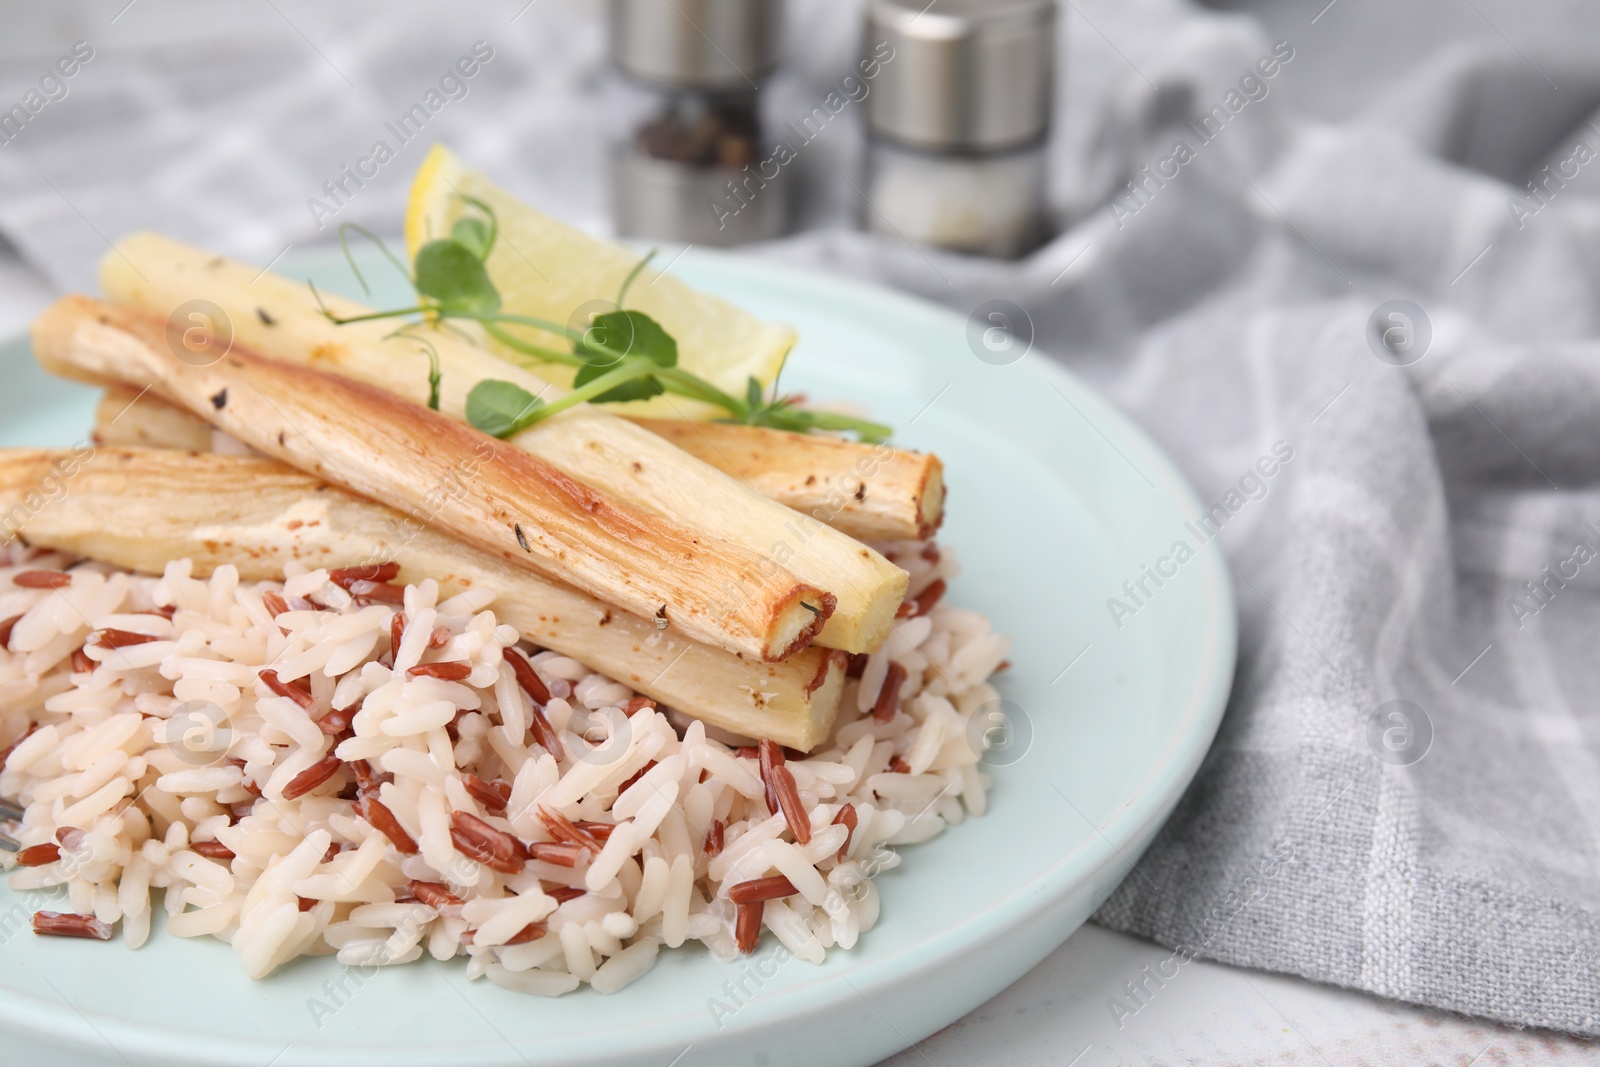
620, 355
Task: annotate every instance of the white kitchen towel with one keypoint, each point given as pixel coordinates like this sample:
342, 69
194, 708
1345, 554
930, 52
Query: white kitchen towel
1397, 316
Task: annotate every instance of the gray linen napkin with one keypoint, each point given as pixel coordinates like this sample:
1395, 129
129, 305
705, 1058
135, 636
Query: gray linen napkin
1405, 794
1403, 797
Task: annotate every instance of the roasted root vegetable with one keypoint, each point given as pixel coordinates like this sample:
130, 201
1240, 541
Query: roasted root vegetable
872, 492
449, 476
258, 514
282, 320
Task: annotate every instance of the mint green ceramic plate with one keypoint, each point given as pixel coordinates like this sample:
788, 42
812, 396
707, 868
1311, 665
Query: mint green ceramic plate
1056, 500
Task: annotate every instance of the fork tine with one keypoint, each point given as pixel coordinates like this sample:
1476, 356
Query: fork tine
9, 843
10, 809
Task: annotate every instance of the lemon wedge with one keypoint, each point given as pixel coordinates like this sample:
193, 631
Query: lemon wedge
546, 269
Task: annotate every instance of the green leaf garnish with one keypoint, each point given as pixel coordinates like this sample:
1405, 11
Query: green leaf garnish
435, 374
475, 235
642, 388
619, 335
451, 273
627, 283
501, 409
616, 335
621, 356
345, 229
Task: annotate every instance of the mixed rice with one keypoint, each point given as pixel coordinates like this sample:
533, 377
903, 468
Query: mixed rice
336, 764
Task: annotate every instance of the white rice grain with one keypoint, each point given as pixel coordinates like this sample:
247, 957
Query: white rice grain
101, 761
626, 966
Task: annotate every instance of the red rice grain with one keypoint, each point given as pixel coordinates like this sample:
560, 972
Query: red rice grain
747, 928
898, 765
122, 638
930, 596
561, 893
888, 702
249, 785
382, 819
42, 580
770, 756
366, 780
436, 897
274, 604
493, 848
564, 829
337, 721
781, 782
291, 690
449, 672
366, 594
600, 831
311, 777
306, 903
215, 850
531, 932
81, 663
57, 924
715, 837
794, 812
374, 572
545, 735
492, 795
5, 630
554, 852
759, 890
625, 786
637, 704
529, 679
39, 855
440, 637
848, 819
397, 630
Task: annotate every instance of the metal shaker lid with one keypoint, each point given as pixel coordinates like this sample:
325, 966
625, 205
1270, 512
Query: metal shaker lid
696, 44
961, 75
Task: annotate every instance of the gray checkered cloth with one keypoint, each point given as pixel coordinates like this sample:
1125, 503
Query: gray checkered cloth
1405, 794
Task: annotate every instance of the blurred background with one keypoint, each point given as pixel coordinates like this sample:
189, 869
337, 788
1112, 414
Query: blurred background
1335, 156
230, 117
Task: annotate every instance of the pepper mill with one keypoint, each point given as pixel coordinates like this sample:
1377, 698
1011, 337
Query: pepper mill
688, 167
958, 121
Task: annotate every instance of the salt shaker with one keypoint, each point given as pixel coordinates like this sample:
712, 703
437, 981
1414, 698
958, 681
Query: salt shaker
958, 120
688, 166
